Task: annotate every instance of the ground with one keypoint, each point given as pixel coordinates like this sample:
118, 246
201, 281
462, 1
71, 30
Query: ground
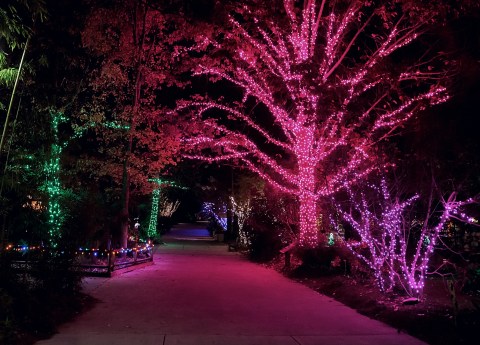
65, 310
432, 320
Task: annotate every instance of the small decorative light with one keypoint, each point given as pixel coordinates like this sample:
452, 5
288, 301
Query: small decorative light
331, 239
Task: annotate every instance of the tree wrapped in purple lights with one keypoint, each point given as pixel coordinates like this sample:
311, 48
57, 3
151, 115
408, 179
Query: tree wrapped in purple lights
318, 96
393, 243
215, 213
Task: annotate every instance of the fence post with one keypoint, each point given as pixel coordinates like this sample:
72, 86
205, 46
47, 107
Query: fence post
109, 253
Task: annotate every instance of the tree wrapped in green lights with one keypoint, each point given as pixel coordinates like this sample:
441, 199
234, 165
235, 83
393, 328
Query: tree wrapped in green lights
156, 194
52, 170
152, 225
53, 186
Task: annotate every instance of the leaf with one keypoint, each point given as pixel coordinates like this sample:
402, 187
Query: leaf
8, 76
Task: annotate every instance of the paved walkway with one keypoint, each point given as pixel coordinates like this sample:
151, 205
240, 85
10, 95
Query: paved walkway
197, 293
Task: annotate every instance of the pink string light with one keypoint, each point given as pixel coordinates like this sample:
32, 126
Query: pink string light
298, 72
380, 220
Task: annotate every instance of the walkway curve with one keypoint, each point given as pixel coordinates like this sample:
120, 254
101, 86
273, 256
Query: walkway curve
197, 293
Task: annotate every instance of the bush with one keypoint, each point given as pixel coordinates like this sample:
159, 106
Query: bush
264, 243
164, 224
324, 260
6, 313
34, 302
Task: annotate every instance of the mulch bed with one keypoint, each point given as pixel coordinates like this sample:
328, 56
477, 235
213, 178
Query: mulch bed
433, 320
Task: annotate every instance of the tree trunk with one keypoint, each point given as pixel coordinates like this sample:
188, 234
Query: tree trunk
306, 181
308, 236
125, 205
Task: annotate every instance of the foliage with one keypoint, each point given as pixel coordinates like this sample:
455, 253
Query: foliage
272, 223
22, 202
35, 302
137, 66
15, 24
46, 88
17, 18
8, 75
134, 71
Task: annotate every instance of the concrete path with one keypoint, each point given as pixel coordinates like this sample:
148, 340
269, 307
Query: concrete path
197, 293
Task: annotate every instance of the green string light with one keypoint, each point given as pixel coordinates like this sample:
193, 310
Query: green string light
53, 186
52, 171
152, 226
116, 125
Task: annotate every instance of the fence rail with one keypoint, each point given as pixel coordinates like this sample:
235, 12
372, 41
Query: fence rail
89, 262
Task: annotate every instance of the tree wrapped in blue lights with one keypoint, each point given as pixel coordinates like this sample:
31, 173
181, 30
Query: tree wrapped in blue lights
215, 213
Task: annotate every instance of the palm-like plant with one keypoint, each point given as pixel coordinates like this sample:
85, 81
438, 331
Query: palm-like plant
17, 18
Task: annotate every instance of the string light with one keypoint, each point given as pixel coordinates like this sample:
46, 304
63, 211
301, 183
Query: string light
242, 210
84, 251
298, 74
167, 208
331, 239
156, 193
53, 185
395, 259
209, 209
22, 248
152, 225
52, 171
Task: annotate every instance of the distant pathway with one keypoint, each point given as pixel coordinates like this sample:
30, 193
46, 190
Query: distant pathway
197, 293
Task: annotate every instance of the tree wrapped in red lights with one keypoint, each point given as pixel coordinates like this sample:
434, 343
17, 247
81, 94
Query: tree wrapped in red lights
321, 87
393, 242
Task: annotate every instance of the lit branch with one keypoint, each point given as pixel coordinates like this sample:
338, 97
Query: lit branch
347, 49
400, 114
204, 106
167, 208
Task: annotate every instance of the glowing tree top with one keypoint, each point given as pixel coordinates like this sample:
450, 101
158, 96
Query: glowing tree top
321, 87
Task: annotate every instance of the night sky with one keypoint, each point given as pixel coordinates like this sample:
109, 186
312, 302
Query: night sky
446, 134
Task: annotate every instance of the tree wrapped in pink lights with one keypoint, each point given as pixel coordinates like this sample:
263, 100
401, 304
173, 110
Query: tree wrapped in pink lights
318, 94
394, 243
